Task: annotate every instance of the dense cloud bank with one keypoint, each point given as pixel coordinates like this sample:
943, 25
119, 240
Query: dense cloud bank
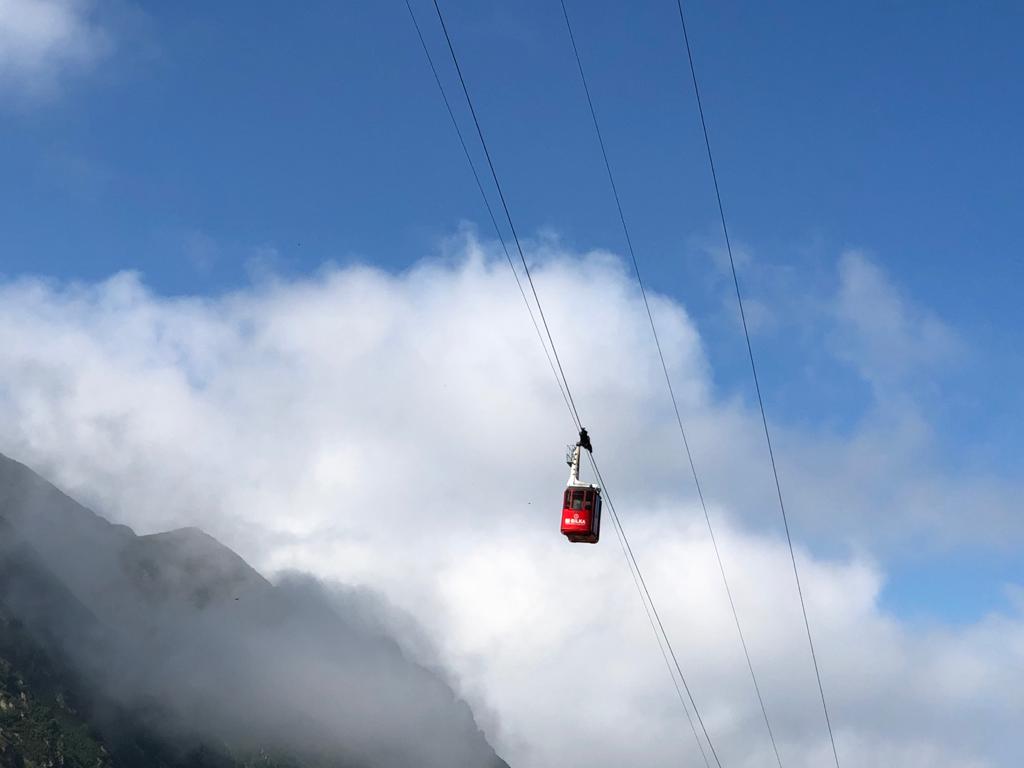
404, 433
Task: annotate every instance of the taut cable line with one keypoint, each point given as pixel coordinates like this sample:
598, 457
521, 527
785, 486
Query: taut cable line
649, 606
487, 202
508, 216
668, 379
757, 384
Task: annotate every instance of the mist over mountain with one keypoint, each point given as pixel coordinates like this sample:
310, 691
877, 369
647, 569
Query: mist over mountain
170, 650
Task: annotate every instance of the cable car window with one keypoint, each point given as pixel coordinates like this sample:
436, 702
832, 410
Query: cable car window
577, 500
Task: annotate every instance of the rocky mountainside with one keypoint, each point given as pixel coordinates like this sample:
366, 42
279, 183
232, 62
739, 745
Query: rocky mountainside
170, 650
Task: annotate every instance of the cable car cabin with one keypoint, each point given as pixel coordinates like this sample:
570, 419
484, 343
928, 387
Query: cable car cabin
581, 514
581, 504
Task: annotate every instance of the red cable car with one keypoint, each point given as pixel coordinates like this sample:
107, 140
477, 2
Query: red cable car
581, 504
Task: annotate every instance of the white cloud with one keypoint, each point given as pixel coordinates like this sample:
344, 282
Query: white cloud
886, 336
403, 432
41, 41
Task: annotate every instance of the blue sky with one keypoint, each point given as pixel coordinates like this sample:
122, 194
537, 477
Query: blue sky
203, 140
243, 159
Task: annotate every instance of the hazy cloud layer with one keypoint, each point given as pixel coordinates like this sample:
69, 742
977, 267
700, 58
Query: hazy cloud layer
43, 40
884, 335
404, 432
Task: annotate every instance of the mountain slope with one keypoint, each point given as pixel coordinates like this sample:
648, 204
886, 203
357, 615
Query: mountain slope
170, 650
39, 722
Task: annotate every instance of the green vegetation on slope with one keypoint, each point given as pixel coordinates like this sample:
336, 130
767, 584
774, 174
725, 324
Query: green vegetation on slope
43, 723
40, 725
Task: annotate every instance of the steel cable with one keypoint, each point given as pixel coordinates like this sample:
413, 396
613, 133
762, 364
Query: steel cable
757, 384
653, 615
668, 379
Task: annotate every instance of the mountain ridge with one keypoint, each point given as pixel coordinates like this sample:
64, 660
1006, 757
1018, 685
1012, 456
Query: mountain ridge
168, 649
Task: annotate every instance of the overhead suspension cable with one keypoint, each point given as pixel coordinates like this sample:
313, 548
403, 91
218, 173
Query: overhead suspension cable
642, 584
645, 595
487, 202
508, 216
757, 385
529, 309
668, 379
